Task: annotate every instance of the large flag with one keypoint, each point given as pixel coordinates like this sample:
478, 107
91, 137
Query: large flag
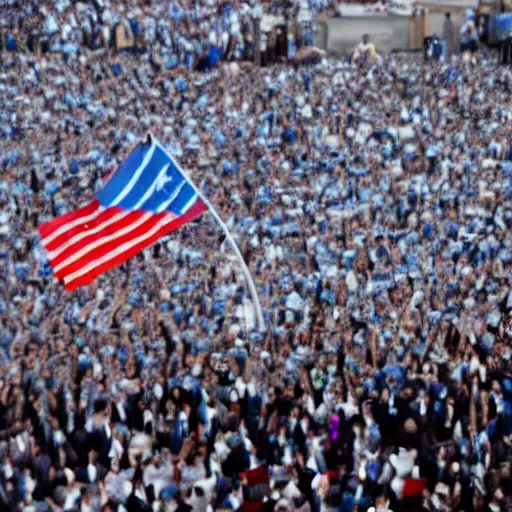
145, 199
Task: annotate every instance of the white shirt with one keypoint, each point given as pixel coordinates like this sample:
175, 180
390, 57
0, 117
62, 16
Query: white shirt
294, 301
116, 450
92, 473
71, 499
121, 411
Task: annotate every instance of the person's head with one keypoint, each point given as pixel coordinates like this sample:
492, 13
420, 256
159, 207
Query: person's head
382, 502
110, 506
92, 456
366, 38
157, 460
115, 466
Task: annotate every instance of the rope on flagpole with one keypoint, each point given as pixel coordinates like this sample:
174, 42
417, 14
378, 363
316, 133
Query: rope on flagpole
229, 237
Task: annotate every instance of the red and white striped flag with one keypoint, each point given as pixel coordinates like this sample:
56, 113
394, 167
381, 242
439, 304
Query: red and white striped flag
147, 198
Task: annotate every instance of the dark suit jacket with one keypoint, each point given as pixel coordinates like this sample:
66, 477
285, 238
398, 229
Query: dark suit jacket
83, 477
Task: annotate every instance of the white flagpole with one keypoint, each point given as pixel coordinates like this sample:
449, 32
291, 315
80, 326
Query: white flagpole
229, 237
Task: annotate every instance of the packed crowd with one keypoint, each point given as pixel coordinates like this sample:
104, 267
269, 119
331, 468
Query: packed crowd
178, 33
374, 209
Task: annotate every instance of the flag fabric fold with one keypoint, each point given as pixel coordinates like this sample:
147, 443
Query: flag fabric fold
146, 198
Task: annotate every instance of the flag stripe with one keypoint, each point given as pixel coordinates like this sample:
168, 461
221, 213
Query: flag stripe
113, 217
108, 243
127, 189
186, 196
119, 255
165, 204
67, 221
110, 233
189, 204
118, 179
180, 192
146, 180
149, 192
84, 227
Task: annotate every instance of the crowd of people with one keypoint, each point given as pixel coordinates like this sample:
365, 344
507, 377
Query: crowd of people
176, 33
373, 206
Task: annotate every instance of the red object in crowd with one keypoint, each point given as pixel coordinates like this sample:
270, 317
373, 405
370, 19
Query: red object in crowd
256, 486
414, 487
